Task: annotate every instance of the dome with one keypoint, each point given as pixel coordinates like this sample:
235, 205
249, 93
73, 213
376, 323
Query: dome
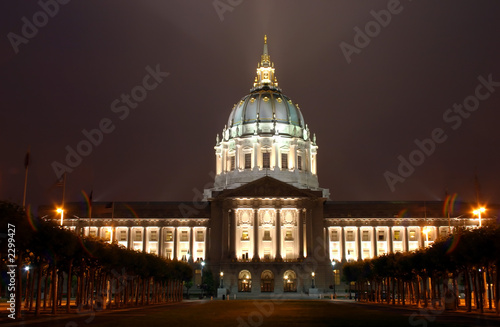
265, 105
265, 135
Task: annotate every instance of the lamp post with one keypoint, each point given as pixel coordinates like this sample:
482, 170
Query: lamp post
202, 286
221, 279
334, 279
61, 211
312, 275
478, 212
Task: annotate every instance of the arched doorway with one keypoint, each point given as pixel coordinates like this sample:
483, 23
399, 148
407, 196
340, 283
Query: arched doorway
244, 281
289, 281
267, 281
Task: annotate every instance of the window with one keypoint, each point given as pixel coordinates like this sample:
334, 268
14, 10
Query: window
107, 235
138, 236
244, 255
288, 235
248, 160
92, 233
184, 236
153, 236
365, 236
244, 235
232, 160
267, 235
299, 162
397, 235
284, 161
350, 236
267, 254
381, 235
266, 160
169, 236
199, 236
413, 235
169, 254
123, 235
334, 236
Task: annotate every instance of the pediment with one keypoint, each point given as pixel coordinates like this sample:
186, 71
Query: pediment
269, 187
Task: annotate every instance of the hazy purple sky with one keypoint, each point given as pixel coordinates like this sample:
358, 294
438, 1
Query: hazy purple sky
365, 113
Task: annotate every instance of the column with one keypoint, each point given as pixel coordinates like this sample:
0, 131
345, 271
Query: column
421, 237
278, 235
144, 239
191, 240
309, 233
359, 243
207, 244
301, 232
232, 236
407, 244
237, 155
129, 243
374, 242
342, 240
389, 241
174, 255
255, 156
160, 242
113, 233
276, 156
326, 238
255, 236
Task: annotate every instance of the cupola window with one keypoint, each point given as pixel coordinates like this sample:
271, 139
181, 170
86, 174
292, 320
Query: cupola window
248, 160
284, 161
266, 160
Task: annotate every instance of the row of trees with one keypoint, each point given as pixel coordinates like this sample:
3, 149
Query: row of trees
469, 258
95, 273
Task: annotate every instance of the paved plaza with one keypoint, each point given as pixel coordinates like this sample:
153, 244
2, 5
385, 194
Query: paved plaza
269, 312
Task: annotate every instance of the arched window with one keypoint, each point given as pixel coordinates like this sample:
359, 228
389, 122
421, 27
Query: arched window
244, 281
289, 281
267, 281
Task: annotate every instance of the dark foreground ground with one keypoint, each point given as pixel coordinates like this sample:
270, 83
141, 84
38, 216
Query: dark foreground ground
262, 313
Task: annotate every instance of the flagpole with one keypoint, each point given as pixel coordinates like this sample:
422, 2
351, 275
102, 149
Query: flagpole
26, 164
63, 194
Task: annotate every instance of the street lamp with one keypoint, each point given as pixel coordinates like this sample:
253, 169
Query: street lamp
478, 212
221, 279
313, 274
426, 231
61, 211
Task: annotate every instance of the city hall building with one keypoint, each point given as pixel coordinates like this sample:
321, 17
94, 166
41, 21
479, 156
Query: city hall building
267, 226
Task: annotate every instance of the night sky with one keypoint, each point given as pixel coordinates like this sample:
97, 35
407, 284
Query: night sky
400, 85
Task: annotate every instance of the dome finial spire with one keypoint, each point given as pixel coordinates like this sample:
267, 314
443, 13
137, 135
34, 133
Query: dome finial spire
265, 70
